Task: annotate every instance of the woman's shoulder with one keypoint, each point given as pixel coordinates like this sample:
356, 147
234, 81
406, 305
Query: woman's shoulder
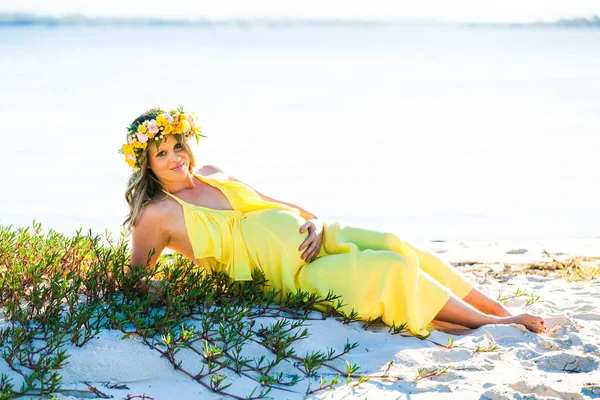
158, 211
212, 171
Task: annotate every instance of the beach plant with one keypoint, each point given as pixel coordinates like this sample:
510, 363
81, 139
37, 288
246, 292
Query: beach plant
397, 329
388, 366
531, 298
58, 291
572, 269
323, 385
349, 318
491, 346
96, 392
424, 373
363, 379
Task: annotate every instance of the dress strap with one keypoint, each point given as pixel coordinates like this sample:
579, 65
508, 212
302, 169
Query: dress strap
183, 203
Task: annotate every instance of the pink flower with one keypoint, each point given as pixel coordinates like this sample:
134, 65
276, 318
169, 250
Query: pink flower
142, 137
168, 117
192, 121
152, 128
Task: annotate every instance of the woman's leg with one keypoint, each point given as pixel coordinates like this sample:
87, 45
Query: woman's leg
450, 277
378, 275
458, 312
486, 305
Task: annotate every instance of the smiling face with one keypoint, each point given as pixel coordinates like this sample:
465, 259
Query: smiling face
170, 162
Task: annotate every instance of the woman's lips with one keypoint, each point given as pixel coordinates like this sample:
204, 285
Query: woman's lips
177, 167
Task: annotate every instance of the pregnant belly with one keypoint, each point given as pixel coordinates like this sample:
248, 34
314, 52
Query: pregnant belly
271, 232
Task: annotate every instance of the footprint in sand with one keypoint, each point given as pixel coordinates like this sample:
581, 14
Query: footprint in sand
525, 390
451, 356
560, 325
586, 307
567, 361
591, 316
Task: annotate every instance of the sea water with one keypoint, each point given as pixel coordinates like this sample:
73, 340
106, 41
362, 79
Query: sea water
432, 132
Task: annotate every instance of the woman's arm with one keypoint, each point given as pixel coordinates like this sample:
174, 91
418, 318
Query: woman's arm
148, 235
211, 169
307, 215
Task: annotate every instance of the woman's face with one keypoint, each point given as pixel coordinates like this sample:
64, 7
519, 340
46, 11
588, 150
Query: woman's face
170, 162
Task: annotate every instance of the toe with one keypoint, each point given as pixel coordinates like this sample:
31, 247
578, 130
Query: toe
540, 325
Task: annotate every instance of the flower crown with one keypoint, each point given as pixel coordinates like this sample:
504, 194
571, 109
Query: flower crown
155, 124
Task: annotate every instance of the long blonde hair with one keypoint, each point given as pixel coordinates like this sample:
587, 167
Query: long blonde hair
143, 187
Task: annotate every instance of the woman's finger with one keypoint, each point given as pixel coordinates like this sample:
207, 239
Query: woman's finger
304, 227
308, 251
306, 255
312, 251
315, 252
307, 242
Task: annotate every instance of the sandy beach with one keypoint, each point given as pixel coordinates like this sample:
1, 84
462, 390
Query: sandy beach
492, 362
464, 139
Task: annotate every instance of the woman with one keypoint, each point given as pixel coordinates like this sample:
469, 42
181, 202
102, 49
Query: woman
223, 224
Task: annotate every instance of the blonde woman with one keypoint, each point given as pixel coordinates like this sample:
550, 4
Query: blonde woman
224, 224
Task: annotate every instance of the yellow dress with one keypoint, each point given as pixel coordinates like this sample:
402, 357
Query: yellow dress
375, 273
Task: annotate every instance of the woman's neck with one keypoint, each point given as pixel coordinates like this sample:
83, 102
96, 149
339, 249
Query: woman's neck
176, 186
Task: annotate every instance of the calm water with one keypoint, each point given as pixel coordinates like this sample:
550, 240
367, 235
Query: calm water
440, 133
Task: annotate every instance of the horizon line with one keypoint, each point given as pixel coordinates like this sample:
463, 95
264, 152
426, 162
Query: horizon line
17, 18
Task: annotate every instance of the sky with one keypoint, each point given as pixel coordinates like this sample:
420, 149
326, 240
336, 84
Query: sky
457, 10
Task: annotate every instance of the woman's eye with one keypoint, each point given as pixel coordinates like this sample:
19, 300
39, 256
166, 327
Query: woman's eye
178, 146
160, 154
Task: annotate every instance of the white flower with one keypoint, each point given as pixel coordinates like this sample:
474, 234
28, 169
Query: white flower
142, 137
168, 117
152, 128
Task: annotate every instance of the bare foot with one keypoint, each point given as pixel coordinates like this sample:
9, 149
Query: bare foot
531, 322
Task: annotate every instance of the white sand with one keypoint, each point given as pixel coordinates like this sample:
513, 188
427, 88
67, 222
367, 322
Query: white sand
563, 363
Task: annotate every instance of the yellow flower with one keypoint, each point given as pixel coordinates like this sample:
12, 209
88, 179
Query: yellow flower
178, 128
142, 129
168, 129
160, 120
128, 149
185, 125
140, 145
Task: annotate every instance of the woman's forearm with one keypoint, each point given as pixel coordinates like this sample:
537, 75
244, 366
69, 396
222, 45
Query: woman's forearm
303, 213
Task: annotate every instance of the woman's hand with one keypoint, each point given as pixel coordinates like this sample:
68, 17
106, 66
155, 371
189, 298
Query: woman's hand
312, 243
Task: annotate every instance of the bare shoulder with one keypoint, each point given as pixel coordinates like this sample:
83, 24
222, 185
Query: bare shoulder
151, 233
212, 170
156, 213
